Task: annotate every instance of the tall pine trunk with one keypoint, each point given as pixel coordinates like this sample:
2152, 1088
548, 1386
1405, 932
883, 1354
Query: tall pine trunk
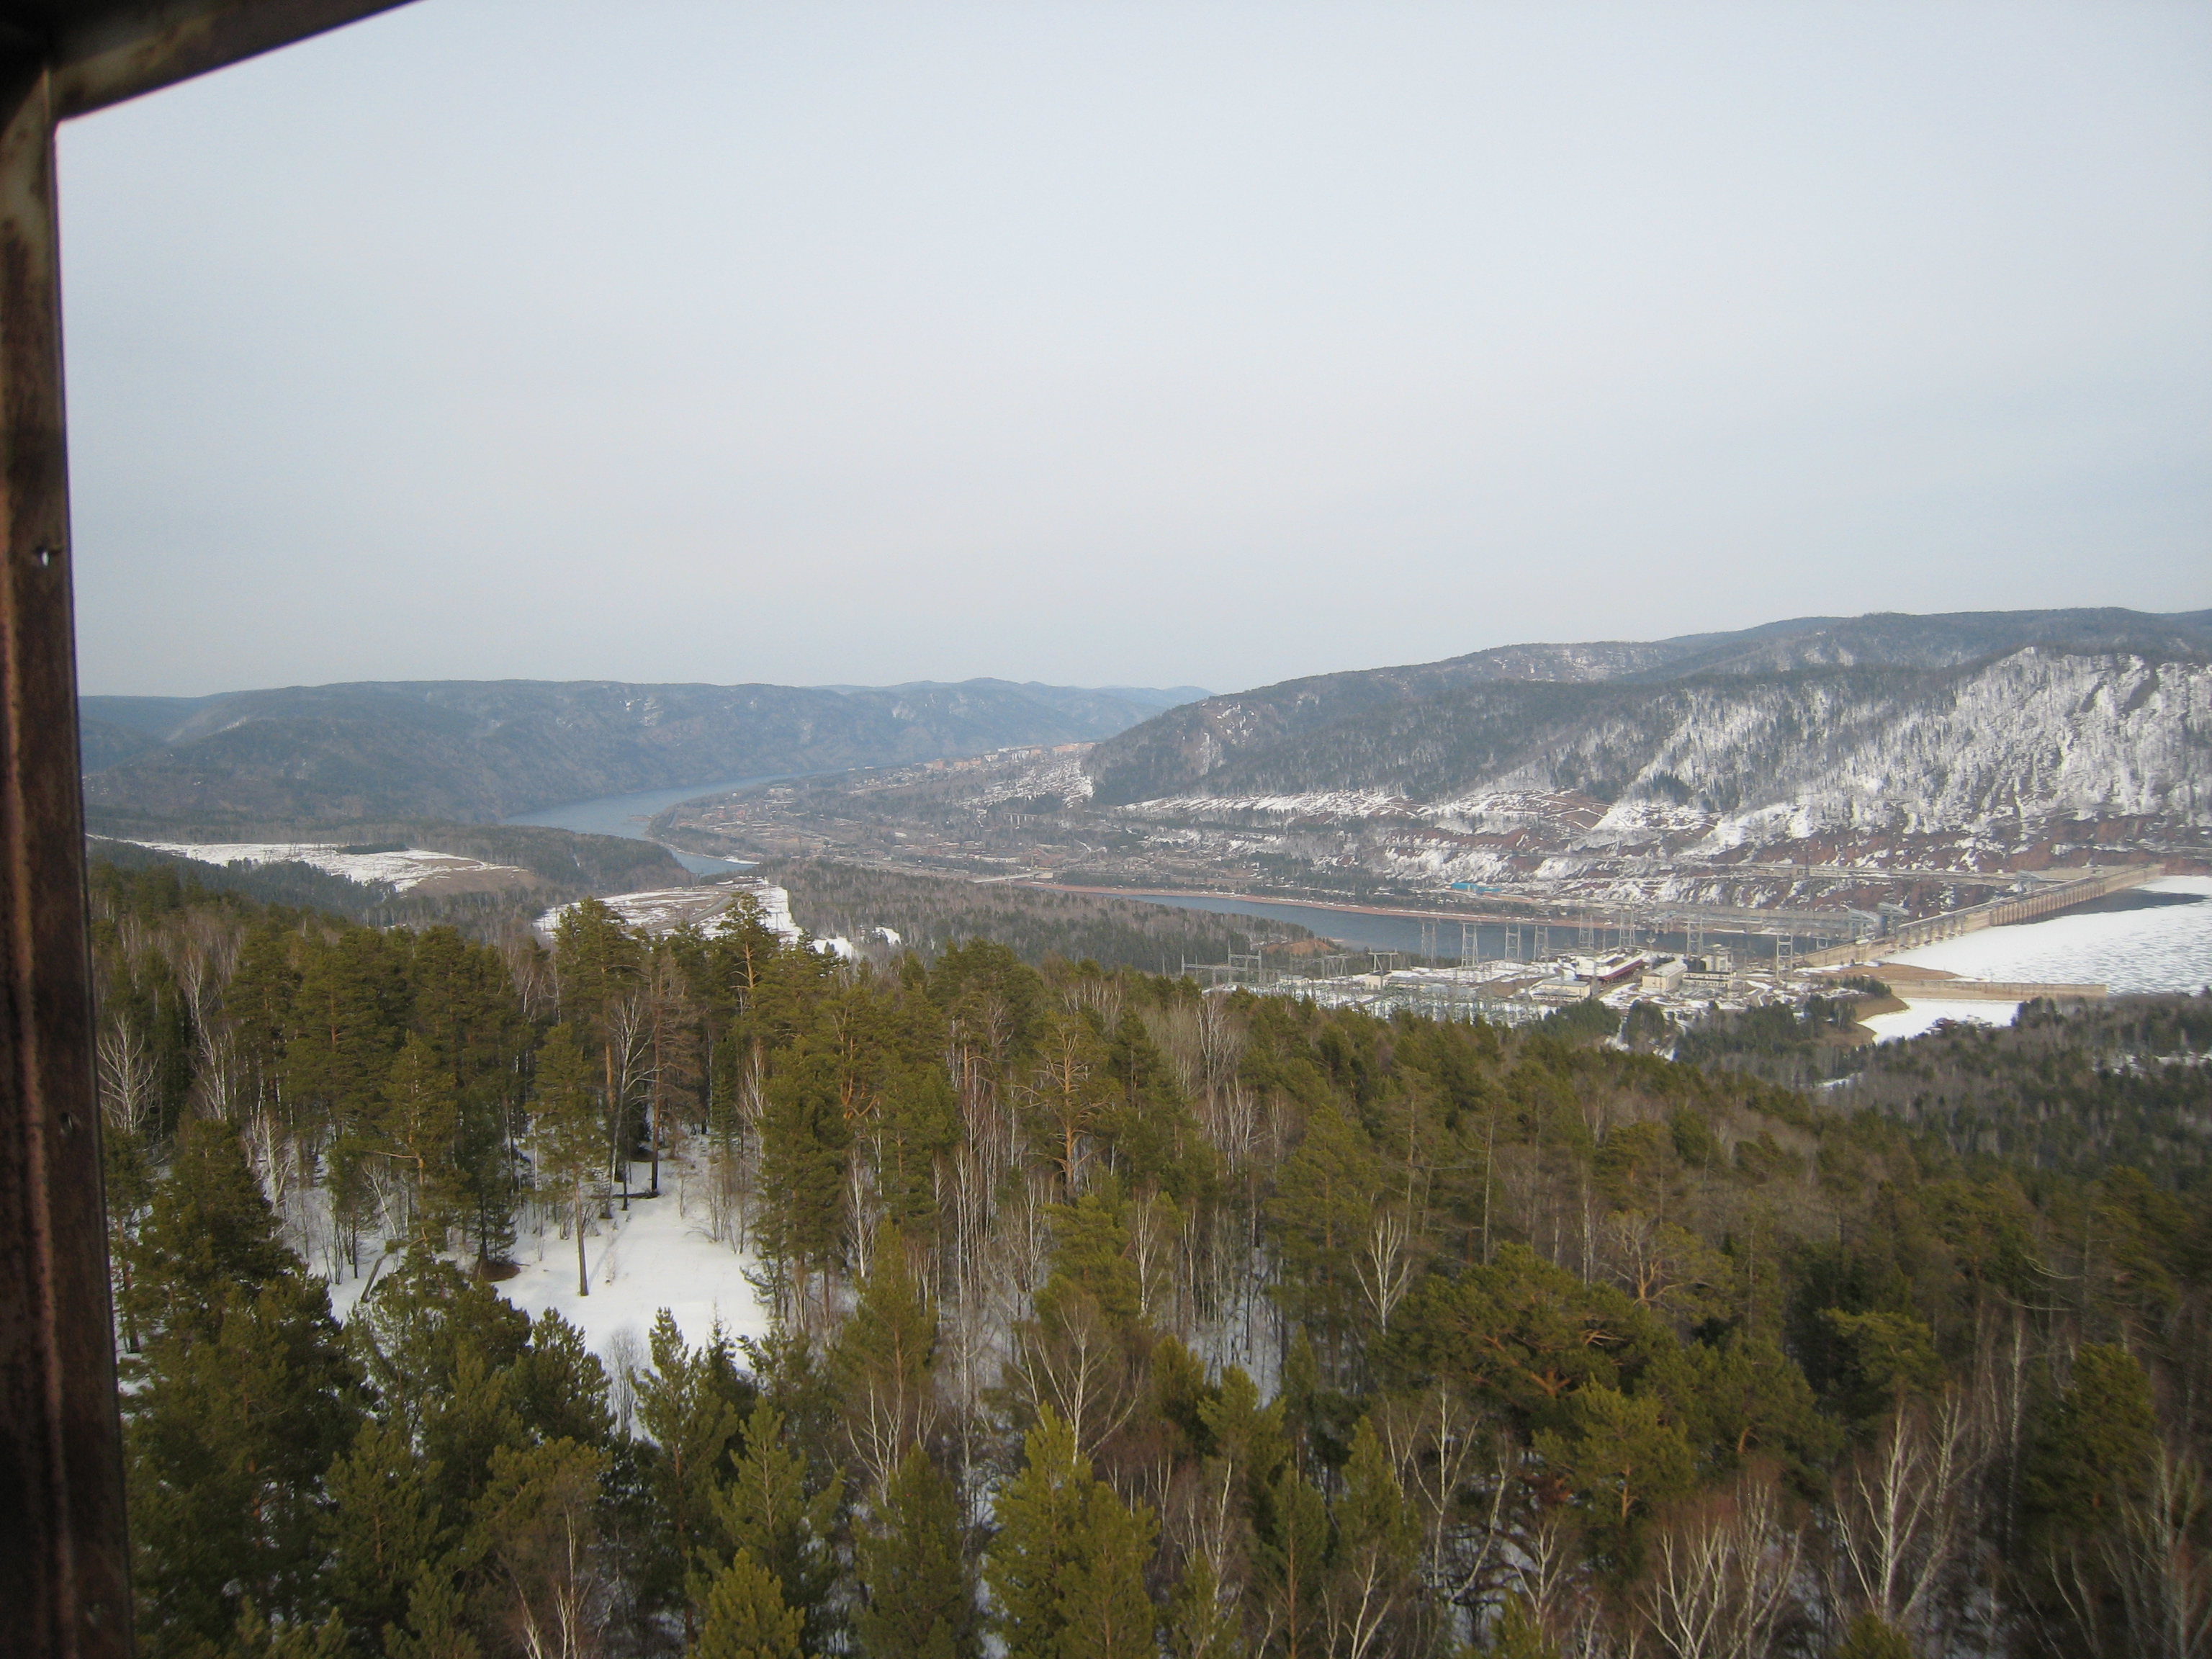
583, 1276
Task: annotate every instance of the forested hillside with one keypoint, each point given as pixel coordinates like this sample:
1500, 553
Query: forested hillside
1114, 1320
1602, 718
476, 750
1838, 751
931, 914
556, 864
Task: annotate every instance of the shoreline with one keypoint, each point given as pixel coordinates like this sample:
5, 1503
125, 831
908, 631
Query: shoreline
1261, 898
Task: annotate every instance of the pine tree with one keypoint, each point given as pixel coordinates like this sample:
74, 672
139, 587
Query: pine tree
1200, 1623
259, 1002
1518, 1635
228, 1438
1090, 1262
1624, 1457
767, 1510
532, 1538
383, 1527
1156, 1143
917, 1128
1378, 1543
693, 1405
881, 1364
1322, 1207
208, 1233
254, 1636
827, 1086
1293, 1558
1067, 1568
1247, 1435
745, 1617
349, 1013
567, 1132
417, 1130
418, 1325
2090, 1451
560, 1386
919, 1597
464, 1009
1868, 1637
1070, 1095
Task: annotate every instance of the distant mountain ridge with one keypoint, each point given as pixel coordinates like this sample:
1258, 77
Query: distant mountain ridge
477, 752
1599, 716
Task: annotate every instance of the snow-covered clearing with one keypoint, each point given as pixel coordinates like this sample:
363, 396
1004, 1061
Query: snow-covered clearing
658, 1255
1922, 1014
2168, 948
402, 870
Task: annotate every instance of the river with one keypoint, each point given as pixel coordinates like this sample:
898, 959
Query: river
1356, 930
629, 815
2133, 949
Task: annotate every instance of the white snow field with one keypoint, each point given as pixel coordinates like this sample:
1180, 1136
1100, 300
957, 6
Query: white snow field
403, 869
657, 1255
710, 906
1923, 1013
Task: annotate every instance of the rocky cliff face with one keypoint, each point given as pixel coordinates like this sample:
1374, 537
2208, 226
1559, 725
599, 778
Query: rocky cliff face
1895, 720
2034, 734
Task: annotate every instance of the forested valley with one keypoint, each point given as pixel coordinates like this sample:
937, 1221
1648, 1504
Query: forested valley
1113, 1320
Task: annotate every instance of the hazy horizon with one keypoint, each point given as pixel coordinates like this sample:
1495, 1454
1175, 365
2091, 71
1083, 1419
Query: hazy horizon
1129, 344
894, 685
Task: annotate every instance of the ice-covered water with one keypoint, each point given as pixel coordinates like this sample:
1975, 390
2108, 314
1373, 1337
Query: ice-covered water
2165, 948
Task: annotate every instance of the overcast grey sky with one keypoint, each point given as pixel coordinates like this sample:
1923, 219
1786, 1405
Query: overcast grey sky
1137, 343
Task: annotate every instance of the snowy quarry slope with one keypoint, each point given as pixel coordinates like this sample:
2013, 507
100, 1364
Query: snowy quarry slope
402, 870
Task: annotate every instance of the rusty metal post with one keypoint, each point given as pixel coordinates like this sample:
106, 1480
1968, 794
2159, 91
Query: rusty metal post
63, 1563
65, 1555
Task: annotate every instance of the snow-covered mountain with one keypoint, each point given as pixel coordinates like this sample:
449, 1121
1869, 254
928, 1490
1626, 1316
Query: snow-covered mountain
2004, 746
1800, 695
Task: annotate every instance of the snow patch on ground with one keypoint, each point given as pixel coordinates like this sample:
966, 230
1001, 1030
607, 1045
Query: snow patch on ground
1064, 779
713, 909
1522, 807
2168, 949
1318, 803
1922, 1014
401, 870
660, 1254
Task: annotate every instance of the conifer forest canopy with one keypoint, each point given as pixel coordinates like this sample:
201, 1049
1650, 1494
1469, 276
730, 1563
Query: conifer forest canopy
1090, 1314
1116, 1318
